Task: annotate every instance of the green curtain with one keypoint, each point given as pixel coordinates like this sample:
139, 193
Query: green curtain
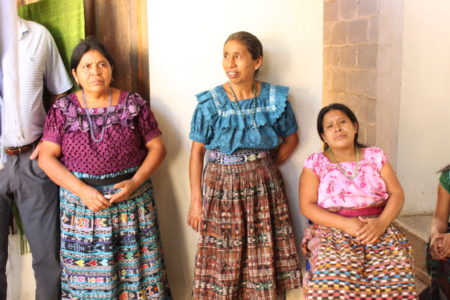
63, 18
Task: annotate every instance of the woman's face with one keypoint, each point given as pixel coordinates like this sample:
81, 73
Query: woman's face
238, 64
339, 131
94, 72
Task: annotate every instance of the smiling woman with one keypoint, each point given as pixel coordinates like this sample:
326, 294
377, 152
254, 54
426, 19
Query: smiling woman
247, 248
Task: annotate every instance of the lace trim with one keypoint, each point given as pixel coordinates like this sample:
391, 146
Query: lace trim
266, 113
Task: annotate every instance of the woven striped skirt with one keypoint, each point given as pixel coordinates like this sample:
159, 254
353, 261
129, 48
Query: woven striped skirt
247, 248
114, 253
341, 268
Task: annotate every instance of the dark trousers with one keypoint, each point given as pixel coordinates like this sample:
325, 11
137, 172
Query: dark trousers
36, 197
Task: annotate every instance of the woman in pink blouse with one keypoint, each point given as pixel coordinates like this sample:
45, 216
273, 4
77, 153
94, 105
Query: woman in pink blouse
351, 195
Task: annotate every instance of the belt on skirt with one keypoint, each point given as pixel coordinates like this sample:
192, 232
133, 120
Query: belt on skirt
96, 182
239, 157
370, 211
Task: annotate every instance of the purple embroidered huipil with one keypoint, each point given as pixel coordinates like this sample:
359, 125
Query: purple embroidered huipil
129, 126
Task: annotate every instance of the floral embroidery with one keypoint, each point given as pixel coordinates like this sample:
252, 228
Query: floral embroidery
124, 113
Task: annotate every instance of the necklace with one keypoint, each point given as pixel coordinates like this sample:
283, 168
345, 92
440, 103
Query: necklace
236, 102
345, 173
105, 117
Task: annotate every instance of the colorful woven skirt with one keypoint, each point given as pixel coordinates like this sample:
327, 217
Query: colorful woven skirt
247, 248
341, 268
114, 253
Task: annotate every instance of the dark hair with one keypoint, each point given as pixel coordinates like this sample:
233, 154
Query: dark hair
90, 43
251, 42
347, 111
444, 169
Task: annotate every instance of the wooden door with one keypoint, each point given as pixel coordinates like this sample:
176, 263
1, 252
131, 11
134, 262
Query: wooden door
121, 25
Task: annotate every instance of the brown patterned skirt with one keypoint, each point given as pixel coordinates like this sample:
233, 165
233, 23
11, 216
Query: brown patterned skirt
247, 248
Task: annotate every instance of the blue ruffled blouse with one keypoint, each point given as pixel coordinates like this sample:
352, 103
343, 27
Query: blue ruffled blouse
221, 125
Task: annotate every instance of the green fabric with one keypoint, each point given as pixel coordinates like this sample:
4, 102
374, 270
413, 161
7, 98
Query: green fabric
24, 247
444, 179
63, 18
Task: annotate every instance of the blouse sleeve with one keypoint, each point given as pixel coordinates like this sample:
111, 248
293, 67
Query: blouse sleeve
377, 156
286, 123
201, 130
204, 116
54, 125
313, 162
147, 124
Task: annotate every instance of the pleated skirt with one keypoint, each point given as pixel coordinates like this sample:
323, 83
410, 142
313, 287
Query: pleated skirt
247, 248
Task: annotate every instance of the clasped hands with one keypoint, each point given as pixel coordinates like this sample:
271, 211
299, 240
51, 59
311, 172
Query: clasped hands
365, 230
440, 245
96, 201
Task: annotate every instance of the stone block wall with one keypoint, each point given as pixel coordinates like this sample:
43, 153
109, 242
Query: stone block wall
350, 59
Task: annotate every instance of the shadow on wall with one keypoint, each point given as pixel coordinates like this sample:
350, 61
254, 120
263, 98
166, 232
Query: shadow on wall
170, 215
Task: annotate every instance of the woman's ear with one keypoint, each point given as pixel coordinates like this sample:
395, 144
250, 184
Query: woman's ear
258, 63
74, 74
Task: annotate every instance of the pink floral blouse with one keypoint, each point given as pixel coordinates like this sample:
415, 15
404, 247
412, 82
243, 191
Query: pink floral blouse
337, 191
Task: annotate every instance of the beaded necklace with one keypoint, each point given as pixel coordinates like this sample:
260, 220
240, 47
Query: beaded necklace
345, 173
105, 117
236, 102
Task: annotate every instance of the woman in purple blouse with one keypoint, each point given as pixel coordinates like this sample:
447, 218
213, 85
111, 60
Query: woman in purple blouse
101, 145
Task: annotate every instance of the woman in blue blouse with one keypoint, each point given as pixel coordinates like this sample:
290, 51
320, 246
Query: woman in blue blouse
247, 248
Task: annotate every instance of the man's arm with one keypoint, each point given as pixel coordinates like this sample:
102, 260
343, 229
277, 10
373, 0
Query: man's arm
53, 98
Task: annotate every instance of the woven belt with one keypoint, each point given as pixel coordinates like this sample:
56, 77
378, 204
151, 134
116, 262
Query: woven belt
107, 181
239, 157
19, 150
360, 212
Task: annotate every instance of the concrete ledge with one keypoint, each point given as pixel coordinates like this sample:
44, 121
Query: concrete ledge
417, 230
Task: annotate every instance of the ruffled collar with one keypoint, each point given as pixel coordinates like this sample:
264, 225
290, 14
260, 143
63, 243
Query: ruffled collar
270, 104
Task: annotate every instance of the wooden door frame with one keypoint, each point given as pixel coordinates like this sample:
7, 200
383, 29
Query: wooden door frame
132, 69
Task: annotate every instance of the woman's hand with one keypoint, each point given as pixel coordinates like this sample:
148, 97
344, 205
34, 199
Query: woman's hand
440, 240
440, 245
436, 245
195, 213
93, 199
352, 226
35, 154
445, 250
373, 228
127, 187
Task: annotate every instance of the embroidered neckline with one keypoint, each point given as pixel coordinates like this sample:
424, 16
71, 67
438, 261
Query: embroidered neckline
123, 112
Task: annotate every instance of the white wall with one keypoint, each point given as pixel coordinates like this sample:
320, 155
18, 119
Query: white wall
424, 131
186, 40
21, 283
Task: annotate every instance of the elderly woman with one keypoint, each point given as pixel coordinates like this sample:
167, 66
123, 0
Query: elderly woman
351, 194
101, 145
247, 248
